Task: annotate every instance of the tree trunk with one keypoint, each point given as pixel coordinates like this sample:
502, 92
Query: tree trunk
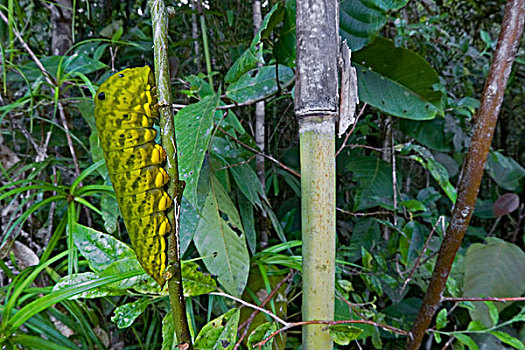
316, 106
259, 132
61, 18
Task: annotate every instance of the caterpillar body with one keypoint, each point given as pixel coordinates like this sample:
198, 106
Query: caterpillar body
124, 113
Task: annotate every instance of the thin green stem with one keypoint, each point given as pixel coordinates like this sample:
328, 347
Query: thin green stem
159, 18
204, 30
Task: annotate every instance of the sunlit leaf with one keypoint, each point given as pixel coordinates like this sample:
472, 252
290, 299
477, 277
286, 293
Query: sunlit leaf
343, 334
219, 334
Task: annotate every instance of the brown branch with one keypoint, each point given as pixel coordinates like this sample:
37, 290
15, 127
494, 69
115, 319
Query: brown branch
492, 98
63, 120
363, 214
427, 242
503, 300
245, 303
331, 323
377, 149
250, 319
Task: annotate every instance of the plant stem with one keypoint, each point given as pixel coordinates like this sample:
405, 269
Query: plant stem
176, 186
492, 98
316, 106
204, 31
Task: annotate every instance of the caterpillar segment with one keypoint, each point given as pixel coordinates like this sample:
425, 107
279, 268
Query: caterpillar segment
125, 110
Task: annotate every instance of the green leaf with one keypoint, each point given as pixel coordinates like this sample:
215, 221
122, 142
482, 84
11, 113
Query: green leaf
195, 282
193, 126
475, 326
505, 171
246, 211
260, 333
465, 339
496, 270
438, 171
79, 63
493, 312
85, 277
220, 239
34, 342
366, 233
441, 319
259, 83
284, 49
253, 54
99, 249
343, 334
231, 154
169, 340
126, 314
189, 220
437, 337
430, 133
397, 81
485, 37
361, 20
374, 178
508, 339
57, 296
219, 334
142, 283
413, 205
275, 222
247, 61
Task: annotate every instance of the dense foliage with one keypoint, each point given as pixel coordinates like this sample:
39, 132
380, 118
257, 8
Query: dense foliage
69, 278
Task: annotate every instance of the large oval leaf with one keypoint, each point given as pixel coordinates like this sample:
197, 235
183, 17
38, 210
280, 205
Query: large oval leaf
361, 20
397, 81
193, 125
259, 83
220, 240
493, 270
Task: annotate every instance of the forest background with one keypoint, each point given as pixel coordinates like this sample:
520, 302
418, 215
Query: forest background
69, 278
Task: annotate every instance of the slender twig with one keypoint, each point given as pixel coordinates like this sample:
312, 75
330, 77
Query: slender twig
378, 149
51, 81
62, 115
250, 319
351, 306
448, 343
503, 300
351, 130
375, 213
394, 175
237, 164
331, 323
290, 170
240, 301
427, 242
39, 64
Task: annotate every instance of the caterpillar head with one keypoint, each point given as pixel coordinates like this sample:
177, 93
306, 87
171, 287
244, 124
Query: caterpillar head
130, 90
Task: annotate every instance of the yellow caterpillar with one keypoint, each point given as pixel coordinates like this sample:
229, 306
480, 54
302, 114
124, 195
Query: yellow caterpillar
124, 113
